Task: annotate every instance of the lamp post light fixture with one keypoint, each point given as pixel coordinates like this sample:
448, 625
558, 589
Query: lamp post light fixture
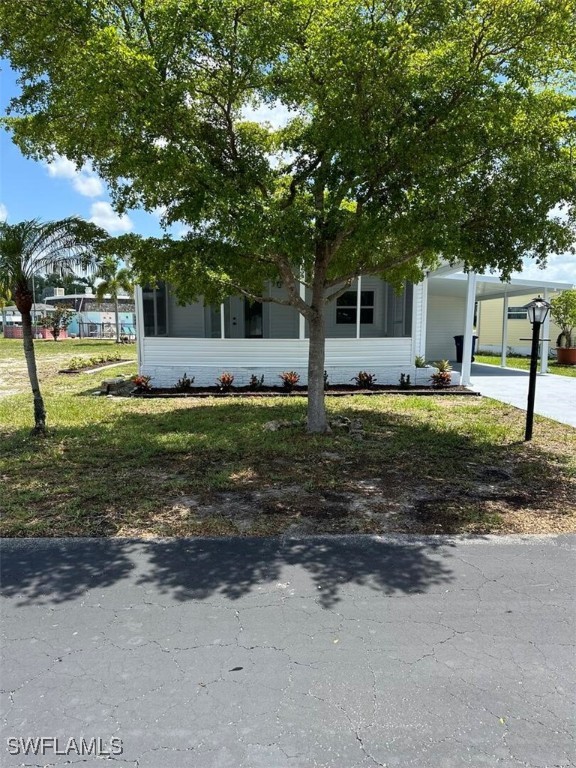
537, 312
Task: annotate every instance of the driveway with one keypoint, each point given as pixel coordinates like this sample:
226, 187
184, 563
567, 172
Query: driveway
555, 395
342, 652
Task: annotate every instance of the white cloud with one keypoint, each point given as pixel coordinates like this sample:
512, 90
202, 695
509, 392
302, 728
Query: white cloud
276, 114
159, 212
560, 268
3, 212
104, 216
84, 180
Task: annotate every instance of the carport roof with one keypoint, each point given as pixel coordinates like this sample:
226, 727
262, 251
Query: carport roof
449, 283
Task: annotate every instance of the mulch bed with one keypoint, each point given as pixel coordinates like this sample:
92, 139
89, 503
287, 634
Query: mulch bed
345, 390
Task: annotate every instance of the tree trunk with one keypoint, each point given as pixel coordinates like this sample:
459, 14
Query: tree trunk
4, 322
39, 410
317, 421
117, 318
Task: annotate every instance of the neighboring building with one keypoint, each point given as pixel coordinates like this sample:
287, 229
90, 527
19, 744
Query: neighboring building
13, 327
519, 330
95, 319
369, 327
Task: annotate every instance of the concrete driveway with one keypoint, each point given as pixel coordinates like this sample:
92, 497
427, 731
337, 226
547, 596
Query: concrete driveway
343, 652
555, 395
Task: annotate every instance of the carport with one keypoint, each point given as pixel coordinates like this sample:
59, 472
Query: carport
451, 301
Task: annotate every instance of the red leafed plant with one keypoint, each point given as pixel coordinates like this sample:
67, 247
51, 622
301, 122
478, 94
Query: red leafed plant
225, 381
142, 383
290, 379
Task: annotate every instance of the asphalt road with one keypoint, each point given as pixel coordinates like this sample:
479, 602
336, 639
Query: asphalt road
349, 652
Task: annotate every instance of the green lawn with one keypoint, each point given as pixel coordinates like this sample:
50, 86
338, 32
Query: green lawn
129, 466
524, 364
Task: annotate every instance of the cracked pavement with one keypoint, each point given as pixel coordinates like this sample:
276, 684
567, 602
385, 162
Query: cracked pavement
351, 651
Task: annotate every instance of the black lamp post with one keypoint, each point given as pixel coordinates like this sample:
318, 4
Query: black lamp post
537, 312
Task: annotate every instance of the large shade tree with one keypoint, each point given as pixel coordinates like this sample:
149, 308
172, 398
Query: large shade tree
33, 247
410, 128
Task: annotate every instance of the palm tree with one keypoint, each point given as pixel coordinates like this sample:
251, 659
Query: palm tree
33, 247
115, 279
5, 298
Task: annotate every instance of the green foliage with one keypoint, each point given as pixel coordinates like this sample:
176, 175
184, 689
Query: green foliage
444, 366
404, 381
411, 129
420, 361
184, 384
113, 279
364, 380
57, 321
256, 382
563, 312
78, 363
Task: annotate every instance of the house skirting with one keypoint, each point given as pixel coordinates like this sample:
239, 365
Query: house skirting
166, 360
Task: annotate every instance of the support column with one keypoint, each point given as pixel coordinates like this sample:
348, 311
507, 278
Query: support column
358, 304
504, 352
468, 328
301, 318
545, 344
139, 311
421, 343
222, 322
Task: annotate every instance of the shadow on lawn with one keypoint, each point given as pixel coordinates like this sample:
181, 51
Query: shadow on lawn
55, 571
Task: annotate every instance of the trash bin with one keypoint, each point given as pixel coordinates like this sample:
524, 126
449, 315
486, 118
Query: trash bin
460, 347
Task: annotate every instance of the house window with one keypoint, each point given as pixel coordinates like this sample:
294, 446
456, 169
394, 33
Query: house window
155, 310
517, 313
347, 308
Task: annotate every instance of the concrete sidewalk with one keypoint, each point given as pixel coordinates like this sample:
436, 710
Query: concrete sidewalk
555, 395
333, 652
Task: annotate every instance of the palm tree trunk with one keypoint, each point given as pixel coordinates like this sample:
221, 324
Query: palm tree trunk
39, 410
117, 317
4, 322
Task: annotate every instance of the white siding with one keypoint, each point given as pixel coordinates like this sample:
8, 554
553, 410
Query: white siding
166, 359
445, 320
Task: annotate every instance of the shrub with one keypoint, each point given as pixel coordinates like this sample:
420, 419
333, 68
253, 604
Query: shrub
404, 381
563, 311
225, 381
255, 383
443, 366
364, 380
420, 361
441, 380
289, 379
184, 384
142, 383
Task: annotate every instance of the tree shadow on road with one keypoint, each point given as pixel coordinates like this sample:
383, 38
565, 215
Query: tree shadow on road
53, 572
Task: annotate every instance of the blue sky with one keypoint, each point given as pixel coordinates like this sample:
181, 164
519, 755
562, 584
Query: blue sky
30, 189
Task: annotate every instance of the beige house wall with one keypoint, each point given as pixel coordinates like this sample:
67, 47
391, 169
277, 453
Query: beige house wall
490, 327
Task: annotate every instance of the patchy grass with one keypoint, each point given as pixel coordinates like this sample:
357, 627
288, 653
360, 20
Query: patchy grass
128, 466
524, 364
50, 357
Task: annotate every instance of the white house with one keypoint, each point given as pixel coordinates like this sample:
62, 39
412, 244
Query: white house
369, 328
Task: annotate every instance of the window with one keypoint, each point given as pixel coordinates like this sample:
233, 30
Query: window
347, 307
517, 313
155, 310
